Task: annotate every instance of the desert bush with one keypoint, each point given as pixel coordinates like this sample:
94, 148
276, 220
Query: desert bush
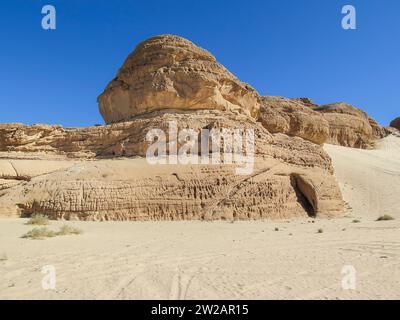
38, 219
67, 230
385, 217
39, 233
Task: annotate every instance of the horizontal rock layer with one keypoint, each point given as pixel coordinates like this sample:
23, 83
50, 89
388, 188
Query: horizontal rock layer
86, 174
115, 190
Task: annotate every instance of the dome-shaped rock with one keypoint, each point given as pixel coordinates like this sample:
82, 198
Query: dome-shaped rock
170, 72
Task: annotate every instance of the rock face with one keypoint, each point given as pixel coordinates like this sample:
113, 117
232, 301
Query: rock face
338, 123
79, 176
169, 72
293, 117
102, 173
349, 126
395, 123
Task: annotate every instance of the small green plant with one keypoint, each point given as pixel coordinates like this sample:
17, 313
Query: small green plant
276, 229
320, 230
356, 221
39, 220
385, 217
67, 230
39, 233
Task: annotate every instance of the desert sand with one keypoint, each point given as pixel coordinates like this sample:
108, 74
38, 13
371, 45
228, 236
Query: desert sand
224, 260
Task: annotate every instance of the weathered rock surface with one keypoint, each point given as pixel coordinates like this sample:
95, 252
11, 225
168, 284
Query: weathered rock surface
134, 190
395, 123
338, 123
293, 117
101, 172
129, 138
170, 72
349, 126
291, 178
378, 131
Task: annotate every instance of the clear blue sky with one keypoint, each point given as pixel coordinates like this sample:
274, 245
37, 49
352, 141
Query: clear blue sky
293, 48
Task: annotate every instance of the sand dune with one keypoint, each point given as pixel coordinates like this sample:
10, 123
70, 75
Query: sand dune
369, 179
222, 260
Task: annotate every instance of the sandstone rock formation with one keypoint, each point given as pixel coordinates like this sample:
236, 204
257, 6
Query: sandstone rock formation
77, 175
293, 117
337, 123
169, 72
349, 126
395, 123
101, 172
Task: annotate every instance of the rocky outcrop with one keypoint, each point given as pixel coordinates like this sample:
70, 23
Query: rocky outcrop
338, 123
293, 117
291, 177
128, 139
378, 132
395, 123
170, 85
349, 126
134, 190
170, 72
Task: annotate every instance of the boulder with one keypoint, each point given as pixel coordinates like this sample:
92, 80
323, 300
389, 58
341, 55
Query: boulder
170, 72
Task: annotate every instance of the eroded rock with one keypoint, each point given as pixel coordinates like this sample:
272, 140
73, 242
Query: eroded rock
350, 126
170, 72
102, 173
120, 188
293, 117
395, 123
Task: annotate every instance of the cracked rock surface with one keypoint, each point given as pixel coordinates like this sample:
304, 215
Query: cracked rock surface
107, 177
168, 71
101, 172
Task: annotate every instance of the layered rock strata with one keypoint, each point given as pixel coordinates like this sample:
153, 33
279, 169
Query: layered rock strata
104, 172
93, 178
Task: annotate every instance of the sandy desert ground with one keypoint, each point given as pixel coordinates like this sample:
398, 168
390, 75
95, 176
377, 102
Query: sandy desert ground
223, 260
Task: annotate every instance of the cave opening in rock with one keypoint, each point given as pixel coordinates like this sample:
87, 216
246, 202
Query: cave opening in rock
302, 199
